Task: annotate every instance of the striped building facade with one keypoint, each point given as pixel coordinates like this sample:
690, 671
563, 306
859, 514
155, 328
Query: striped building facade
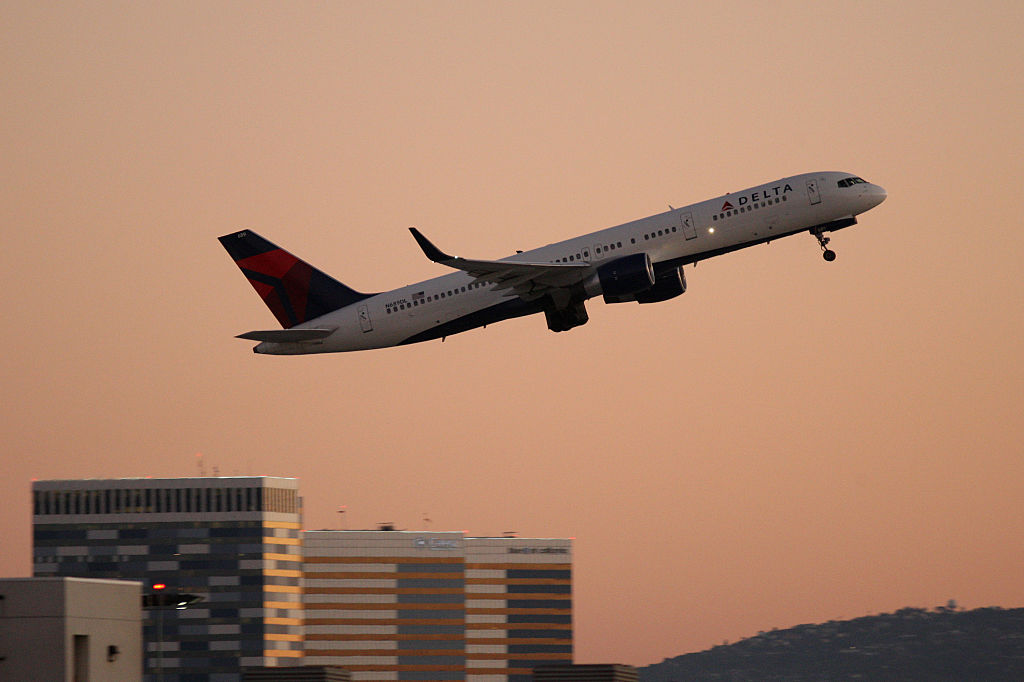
518, 607
398, 605
235, 542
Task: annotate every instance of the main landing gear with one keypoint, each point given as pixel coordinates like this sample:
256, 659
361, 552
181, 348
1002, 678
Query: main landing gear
826, 253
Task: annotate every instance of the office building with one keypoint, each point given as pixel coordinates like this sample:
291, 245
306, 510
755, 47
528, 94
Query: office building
518, 606
234, 542
70, 630
400, 605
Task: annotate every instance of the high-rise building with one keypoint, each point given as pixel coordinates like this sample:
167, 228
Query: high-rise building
384, 604
235, 542
400, 605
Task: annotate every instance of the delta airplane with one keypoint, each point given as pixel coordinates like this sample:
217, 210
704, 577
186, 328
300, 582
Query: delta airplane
639, 261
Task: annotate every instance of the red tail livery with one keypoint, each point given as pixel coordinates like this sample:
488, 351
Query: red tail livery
295, 291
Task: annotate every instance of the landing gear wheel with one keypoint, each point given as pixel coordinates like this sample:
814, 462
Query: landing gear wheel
826, 253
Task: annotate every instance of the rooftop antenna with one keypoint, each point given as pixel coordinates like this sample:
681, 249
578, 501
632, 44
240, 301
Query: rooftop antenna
199, 461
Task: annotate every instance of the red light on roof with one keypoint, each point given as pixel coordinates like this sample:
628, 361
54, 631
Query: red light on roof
159, 586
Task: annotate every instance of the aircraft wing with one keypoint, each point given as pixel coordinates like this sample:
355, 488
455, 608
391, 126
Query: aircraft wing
526, 280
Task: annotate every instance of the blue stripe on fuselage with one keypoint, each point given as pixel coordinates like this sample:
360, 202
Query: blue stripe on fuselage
506, 310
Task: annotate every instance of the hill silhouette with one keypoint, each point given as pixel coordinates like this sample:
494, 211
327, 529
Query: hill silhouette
911, 644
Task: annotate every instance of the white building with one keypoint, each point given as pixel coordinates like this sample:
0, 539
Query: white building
72, 629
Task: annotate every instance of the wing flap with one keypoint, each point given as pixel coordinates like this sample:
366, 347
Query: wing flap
287, 335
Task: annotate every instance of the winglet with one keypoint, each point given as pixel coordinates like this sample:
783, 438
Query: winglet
433, 253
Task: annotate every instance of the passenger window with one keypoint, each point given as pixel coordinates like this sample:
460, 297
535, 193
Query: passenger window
619, 244
632, 240
463, 289
570, 257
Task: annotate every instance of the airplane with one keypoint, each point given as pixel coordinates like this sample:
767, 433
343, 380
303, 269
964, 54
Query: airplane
640, 261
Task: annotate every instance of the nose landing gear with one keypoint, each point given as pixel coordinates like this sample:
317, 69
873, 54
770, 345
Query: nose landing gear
826, 253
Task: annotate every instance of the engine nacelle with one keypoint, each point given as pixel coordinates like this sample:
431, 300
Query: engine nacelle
622, 278
564, 319
668, 285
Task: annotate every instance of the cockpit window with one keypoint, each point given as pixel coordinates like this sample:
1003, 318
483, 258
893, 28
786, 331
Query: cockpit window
851, 181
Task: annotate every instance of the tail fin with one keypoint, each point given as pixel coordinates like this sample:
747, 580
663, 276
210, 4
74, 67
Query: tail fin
295, 291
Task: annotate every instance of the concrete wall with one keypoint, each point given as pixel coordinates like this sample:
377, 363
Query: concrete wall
40, 618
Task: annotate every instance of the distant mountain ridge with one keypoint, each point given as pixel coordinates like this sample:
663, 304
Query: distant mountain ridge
911, 644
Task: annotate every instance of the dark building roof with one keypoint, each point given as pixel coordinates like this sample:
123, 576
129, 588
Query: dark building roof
585, 673
302, 673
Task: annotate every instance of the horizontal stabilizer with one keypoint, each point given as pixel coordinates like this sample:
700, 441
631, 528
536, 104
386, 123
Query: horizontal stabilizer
287, 335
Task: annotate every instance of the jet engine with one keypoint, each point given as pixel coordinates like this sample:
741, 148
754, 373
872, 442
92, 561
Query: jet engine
622, 278
632, 279
668, 285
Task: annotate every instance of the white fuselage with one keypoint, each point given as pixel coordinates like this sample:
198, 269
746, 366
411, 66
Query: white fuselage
680, 236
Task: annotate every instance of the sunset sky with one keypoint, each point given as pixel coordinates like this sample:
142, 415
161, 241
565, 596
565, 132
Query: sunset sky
791, 441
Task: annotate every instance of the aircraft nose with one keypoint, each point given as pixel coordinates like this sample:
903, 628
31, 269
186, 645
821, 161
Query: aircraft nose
874, 195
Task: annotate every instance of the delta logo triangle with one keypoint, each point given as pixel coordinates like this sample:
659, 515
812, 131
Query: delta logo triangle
727, 206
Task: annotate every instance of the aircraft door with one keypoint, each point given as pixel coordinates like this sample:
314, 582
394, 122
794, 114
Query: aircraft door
689, 230
365, 323
812, 192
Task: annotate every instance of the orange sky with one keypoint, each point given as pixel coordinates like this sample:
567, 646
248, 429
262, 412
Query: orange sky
791, 441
